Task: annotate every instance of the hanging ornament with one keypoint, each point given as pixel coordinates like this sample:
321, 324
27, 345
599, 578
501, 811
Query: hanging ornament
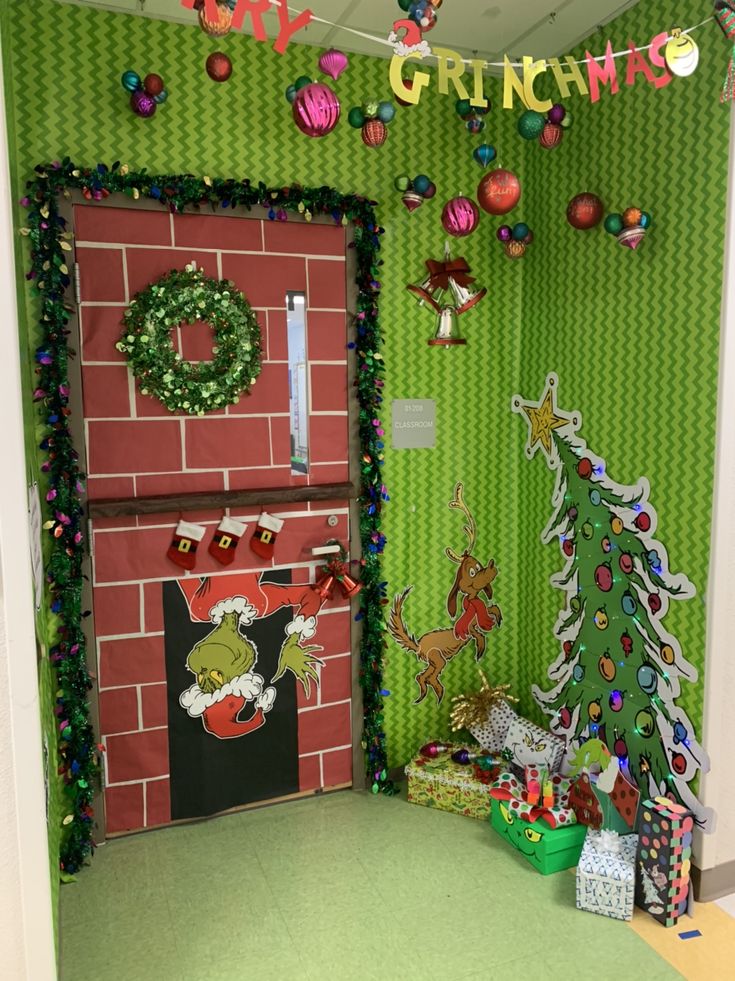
316, 109
678, 764
567, 547
629, 604
645, 723
472, 116
647, 679
446, 291
681, 733
484, 154
551, 136
499, 192
606, 667
643, 522
725, 17
146, 94
620, 748
629, 227
515, 239
606, 544
681, 54
616, 525
219, 67
578, 673
374, 133
588, 530
604, 577
594, 710
460, 217
616, 700
654, 603
565, 717
601, 619
220, 25
414, 192
372, 119
584, 211
667, 654
626, 642
531, 124
333, 62
584, 468
423, 13
567, 647
626, 563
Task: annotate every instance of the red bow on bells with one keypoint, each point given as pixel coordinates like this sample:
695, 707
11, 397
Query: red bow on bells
441, 272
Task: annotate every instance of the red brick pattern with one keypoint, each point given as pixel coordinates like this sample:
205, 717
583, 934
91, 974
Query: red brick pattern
136, 447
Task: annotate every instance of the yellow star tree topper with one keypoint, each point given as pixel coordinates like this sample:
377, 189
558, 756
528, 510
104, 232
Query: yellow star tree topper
543, 417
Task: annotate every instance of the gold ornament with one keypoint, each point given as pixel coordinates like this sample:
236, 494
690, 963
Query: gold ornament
219, 27
473, 710
515, 250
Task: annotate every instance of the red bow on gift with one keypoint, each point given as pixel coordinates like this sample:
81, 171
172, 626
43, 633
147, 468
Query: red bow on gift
441, 272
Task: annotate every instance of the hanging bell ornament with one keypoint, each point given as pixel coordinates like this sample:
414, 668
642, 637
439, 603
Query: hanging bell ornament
324, 587
425, 293
464, 299
447, 331
349, 586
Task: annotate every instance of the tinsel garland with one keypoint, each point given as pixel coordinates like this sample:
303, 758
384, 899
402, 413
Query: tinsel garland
49, 274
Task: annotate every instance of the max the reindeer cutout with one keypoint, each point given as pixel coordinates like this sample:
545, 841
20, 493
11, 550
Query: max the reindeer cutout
437, 647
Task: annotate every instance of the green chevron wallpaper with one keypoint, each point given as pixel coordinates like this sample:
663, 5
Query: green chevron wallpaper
633, 337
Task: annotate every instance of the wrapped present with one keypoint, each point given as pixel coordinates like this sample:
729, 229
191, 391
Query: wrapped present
546, 849
486, 714
606, 874
449, 786
664, 859
606, 801
528, 745
542, 798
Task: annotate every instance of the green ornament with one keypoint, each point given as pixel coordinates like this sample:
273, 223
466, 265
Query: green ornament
302, 81
531, 124
463, 107
402, 183
370, 109
356, 118
614, 224
587, 530
567, 121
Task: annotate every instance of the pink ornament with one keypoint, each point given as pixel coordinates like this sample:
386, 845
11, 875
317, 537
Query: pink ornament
142, 104
333, 63
460, 217
316, 109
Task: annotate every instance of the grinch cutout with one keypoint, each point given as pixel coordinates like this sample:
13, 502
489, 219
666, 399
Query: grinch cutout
476, 620
229, 695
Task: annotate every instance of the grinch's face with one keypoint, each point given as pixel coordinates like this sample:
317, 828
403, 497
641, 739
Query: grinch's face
522, 835
527, 751
223, 655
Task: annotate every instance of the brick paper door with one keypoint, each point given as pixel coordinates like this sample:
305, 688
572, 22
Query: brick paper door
136, 448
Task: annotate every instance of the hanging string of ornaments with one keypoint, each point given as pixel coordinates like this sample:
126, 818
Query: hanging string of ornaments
414, 192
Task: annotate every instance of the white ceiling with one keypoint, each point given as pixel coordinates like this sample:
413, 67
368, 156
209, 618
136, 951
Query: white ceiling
490, 28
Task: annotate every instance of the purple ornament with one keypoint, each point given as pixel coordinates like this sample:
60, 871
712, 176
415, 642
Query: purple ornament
556, 114
505, 233
462, 756
316, 109
333, 63
142, 104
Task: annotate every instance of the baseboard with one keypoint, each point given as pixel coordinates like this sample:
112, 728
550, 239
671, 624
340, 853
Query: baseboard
710, 884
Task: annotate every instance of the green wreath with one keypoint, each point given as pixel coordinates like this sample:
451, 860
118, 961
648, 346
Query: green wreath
182, 298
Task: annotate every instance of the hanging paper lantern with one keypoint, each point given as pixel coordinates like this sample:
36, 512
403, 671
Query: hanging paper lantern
221, 25
484, 154
499, 192
531, 124
333, 63
142, 104
316, 109
585, 211
460, 217
219, 69
551, 136
374, 133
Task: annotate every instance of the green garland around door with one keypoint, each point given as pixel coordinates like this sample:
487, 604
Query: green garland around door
183, 297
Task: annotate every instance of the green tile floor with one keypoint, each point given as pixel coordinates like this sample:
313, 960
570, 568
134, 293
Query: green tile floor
345, 887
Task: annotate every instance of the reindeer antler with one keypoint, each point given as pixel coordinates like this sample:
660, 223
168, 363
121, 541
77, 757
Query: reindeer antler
470, 529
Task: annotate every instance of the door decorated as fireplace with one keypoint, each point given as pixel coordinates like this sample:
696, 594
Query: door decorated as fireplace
219, 686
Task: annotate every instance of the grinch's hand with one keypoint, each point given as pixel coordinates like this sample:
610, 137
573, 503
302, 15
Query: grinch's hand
299, 661
266, 700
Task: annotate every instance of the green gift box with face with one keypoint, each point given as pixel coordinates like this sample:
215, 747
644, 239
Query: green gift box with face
547, 849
